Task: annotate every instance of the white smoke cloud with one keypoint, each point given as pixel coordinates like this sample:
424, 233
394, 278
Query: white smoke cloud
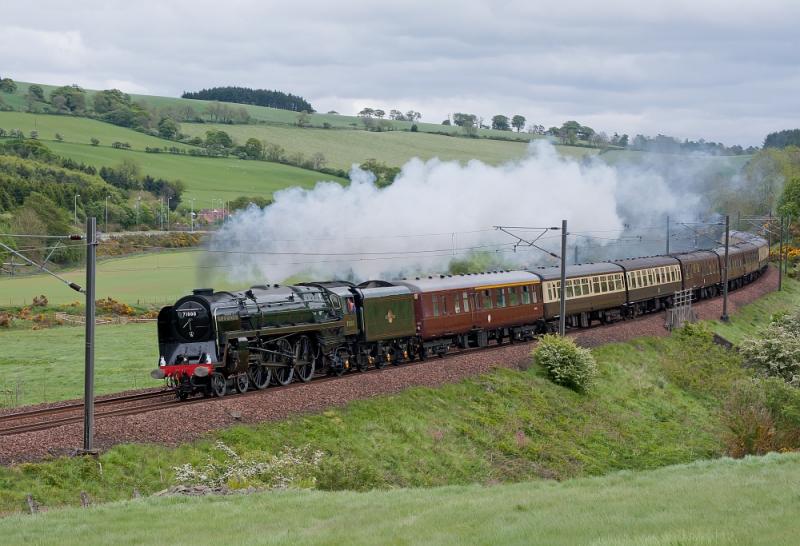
434, 211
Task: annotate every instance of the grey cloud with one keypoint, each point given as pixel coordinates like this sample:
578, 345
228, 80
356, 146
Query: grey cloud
720, 70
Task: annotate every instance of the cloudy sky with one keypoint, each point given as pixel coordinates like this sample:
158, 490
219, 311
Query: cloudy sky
726, 70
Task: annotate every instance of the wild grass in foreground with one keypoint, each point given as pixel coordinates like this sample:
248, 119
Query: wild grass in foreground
746, 501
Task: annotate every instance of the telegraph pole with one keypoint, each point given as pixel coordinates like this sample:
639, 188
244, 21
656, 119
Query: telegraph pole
724, 316
667, 252
780, 259
562, 319
88, 380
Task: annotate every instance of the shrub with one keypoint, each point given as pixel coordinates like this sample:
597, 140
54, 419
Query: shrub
775, 352
291, 468
565, 363
762, 415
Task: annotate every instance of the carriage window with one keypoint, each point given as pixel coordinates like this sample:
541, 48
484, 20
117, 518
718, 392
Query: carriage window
465, 297
501, 297
526, 295
487, 299
618, 282
336, 302
596, 285
604, 285
512, 296
435, 300
568, 290
457, 305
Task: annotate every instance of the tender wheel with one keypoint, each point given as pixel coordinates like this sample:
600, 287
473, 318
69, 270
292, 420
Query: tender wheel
259, 375
219, 385
363, 363
284, 374
304, 361
242, 382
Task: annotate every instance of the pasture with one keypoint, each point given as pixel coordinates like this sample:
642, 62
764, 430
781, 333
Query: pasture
47, 365
344, 148
142, 278
80, 131
205, 178
746, 501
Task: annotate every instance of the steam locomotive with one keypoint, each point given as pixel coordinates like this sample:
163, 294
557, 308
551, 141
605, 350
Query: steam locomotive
213, 342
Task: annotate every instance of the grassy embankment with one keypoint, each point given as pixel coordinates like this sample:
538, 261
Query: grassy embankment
748, 501
657, 402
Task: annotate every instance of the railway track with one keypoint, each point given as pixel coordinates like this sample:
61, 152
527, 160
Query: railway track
60, 415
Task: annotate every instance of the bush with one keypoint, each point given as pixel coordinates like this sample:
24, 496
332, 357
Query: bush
565, 363
775, 352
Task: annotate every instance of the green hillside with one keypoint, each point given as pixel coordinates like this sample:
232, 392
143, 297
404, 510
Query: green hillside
344, 148
749, 501
273, 115
80, 130
206, 178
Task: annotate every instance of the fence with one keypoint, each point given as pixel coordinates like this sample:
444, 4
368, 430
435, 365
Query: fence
681, 311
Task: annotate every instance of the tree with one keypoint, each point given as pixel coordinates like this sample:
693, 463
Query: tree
384, 175
274, 152
396, 115
218, 139
74, 98
34, 134
518, 122
782, 139
460, 119
413, 115
7, 85
317, 161
379, 113
110, 99
168, 128
790, 198
59, 102
468, 127
446, 122
623, 141
36, 92
253, 148
95, 141
366, 113
500, 122
303, 119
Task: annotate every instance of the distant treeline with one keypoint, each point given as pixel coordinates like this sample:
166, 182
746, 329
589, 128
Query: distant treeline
258, 97
782, 139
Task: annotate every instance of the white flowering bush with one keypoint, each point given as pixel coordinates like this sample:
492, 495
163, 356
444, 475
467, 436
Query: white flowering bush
290, 468
775, 352
565, 363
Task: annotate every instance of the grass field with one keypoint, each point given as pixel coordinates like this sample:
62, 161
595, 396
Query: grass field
746, 501
395, 148
205, 178
80, 130
143, 278
47, 365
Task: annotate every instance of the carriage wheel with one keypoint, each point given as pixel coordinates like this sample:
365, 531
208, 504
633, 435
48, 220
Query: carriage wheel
362, 363
304, 361
260, 375
242, 382
219, 385
284, 374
